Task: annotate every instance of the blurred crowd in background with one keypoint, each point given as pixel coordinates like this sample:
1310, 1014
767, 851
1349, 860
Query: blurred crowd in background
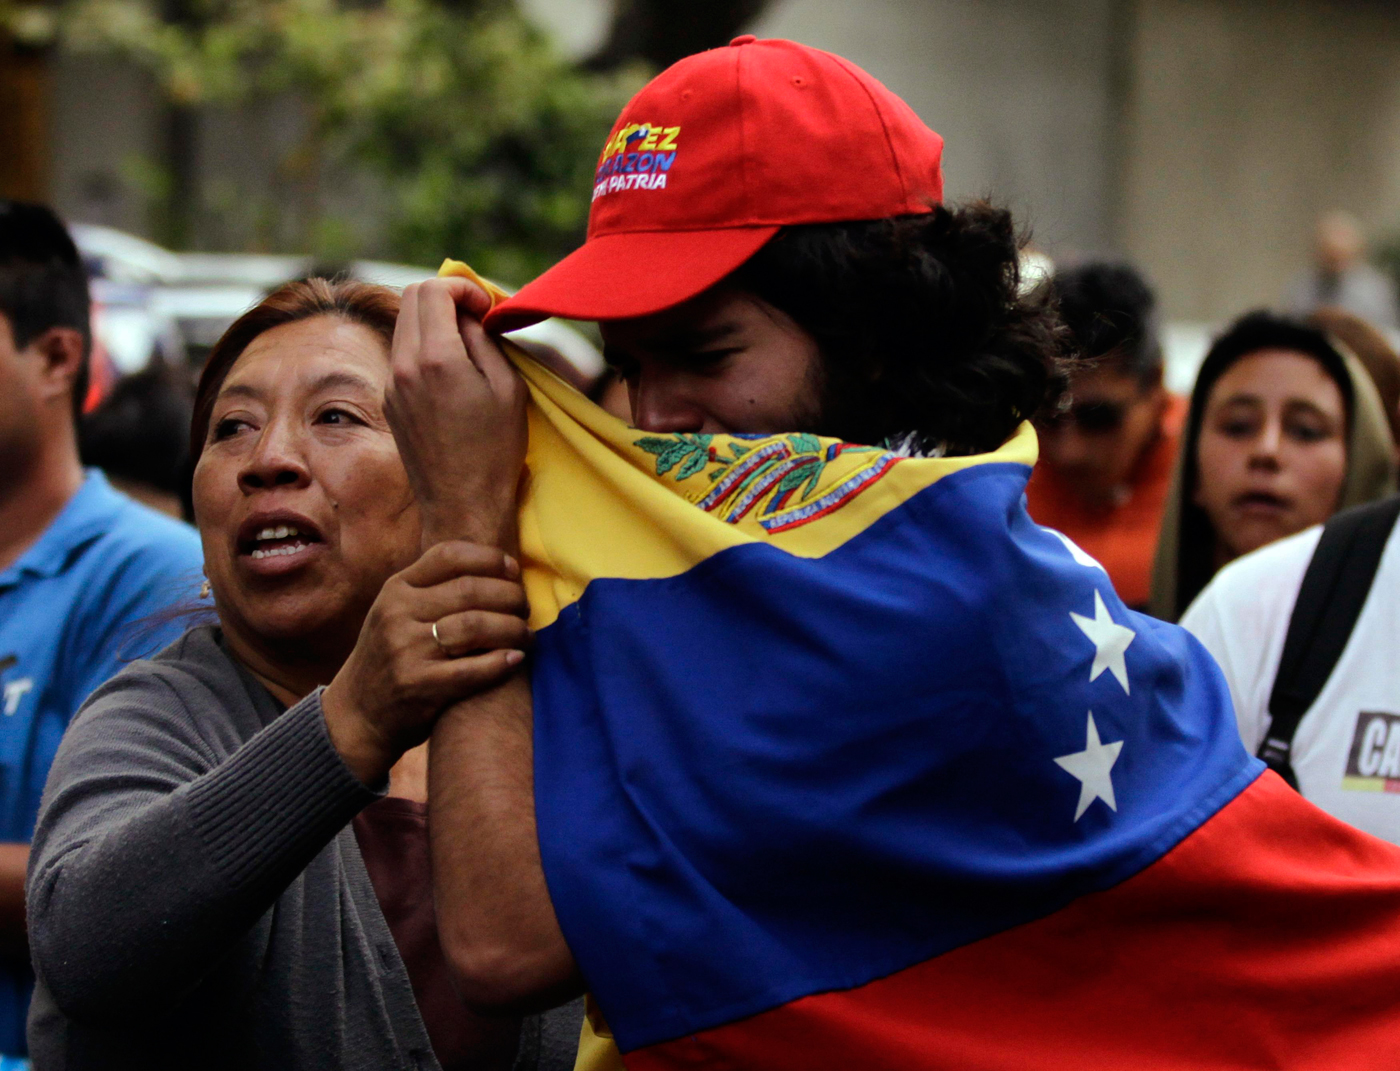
204, 153
1293, 411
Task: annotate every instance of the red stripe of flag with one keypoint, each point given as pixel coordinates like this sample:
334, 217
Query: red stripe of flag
1269, 938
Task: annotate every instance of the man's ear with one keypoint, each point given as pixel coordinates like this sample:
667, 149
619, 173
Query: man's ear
61, 350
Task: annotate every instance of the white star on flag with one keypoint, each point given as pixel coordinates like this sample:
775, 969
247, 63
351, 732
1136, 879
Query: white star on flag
1110, 641
1092, 766
1076, 551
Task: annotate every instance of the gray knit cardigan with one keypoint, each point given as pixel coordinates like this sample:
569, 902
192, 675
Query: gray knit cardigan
197, 897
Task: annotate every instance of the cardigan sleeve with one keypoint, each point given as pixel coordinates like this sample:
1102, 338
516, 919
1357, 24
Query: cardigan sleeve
154, 855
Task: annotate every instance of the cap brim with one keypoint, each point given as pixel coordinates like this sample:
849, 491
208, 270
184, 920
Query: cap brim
621, 276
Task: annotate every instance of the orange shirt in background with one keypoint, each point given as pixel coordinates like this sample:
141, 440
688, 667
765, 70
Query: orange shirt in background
1122, 537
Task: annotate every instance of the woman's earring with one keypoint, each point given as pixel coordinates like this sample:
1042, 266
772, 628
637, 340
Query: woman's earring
204, 589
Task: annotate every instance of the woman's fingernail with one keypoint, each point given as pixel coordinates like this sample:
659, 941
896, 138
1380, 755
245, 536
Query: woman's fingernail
514, 658
512, 566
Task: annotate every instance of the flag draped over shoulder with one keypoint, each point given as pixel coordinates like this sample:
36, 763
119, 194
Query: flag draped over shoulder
841, 761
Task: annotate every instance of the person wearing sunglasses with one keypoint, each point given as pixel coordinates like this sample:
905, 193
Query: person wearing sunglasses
1106, 457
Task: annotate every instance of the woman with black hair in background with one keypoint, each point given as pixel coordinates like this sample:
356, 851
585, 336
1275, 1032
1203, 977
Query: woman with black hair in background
1285, 428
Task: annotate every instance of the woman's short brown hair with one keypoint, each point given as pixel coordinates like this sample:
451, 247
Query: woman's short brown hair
375, 307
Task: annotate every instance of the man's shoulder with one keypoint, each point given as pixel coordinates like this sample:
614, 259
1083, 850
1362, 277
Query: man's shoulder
156, 559
193, 664
117, 585
139, 531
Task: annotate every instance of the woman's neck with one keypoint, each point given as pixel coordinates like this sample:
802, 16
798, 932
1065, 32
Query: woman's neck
1221, 555
288, 679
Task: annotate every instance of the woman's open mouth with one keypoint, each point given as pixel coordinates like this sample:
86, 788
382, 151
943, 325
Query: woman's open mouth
1261, 502
284, 540
278, 544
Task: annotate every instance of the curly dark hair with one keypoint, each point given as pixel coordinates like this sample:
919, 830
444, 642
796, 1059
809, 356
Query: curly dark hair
921, 324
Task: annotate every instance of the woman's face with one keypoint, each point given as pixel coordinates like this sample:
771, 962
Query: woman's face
1272, 453
300, 496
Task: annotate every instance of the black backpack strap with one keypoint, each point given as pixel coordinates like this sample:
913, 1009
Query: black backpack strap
1333, 592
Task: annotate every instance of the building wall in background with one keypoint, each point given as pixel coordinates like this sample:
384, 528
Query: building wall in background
1021, 91
1247, 118
257, 180
105, 134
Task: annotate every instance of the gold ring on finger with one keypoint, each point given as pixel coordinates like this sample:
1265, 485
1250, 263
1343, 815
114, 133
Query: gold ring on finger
438, 640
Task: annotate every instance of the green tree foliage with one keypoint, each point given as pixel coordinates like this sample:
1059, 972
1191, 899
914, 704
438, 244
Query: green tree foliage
483, 137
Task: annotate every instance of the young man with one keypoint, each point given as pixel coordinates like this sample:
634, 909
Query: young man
82, 568
1106, 458
803, 775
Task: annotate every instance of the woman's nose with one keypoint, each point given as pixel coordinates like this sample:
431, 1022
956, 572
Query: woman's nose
276, 461
1265, 449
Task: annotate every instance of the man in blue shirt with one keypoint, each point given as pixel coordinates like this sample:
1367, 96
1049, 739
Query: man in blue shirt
85, 573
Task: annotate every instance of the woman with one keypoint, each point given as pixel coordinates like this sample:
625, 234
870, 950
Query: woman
198, 891
1284, 429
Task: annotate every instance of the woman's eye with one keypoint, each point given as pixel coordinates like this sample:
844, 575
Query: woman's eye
1237, 429
226, 427
338, 416
1307, 432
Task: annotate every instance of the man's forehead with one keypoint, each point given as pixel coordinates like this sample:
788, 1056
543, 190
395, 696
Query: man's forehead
1107, 379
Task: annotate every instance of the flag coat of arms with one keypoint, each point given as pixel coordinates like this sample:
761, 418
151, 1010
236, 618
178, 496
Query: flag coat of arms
842, 761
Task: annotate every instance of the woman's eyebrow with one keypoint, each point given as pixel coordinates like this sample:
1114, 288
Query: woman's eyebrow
331, 380
1240, 399
1308, 404
239, 390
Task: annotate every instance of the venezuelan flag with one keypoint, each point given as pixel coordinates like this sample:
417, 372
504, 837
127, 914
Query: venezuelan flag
843, 762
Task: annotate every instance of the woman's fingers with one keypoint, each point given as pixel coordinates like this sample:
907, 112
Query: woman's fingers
480, 630
487, 357
457, 557
459, 678
406, 326
468, 297
464, 593
441, 342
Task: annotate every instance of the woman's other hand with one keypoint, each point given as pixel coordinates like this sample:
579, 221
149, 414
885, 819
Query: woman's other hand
401, 675
457, 409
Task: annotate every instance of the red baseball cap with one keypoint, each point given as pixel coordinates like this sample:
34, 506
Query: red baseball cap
713, 157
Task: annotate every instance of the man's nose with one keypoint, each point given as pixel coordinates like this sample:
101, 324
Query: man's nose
278, 460
657, 405
1066, 446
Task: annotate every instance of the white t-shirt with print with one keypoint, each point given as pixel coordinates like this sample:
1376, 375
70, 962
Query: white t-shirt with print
1346, 753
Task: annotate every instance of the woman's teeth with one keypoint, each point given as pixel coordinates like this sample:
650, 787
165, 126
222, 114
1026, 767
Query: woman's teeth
283, 531
274, 552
